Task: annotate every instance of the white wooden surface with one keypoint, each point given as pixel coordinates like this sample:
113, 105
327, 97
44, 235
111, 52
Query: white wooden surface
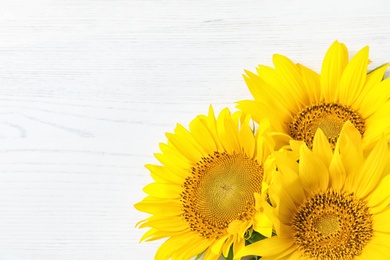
89, 87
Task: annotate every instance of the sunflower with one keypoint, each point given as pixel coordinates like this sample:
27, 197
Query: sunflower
298, 101
206, 194
333, 204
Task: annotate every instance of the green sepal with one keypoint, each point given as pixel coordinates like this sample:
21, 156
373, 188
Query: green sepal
230, 255
255, 237
199, 255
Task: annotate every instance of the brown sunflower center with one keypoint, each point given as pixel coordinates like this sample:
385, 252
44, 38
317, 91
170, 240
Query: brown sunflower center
332, 225
219, 191
328, 224
329, 117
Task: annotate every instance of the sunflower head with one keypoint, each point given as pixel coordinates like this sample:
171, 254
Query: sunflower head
333, 204
207, 193
299, 101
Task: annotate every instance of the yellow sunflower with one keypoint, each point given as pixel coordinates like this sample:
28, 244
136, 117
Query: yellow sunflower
298, 101
206, 194
333, 204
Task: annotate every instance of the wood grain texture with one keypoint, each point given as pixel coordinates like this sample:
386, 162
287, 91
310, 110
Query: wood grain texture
89, 87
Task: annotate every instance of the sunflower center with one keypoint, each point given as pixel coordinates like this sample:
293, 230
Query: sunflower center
332, 225
328, 225
219, 191
329, 117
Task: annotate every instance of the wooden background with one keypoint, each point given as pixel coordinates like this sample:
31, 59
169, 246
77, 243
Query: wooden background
89, 87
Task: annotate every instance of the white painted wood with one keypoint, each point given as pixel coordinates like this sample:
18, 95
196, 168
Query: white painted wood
89, 87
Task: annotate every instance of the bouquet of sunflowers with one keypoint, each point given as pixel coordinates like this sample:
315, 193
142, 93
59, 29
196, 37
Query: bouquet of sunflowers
302, 171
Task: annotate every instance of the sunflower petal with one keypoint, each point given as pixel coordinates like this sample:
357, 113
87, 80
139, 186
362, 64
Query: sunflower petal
353, 78
381, 221
372, 169
267, 247
374, 89
335, 61
291, 77
380, 197
313, 173
163, 190
247, 139
311, 81
203, 136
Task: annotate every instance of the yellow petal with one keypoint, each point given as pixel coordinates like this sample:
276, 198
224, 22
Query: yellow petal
216, 248
381, 221
255, 84
247, 139
209, 255
372, 169
267, 247
337, 173
353, 77
311, 82
259, 111
321, 147
186, 252
231, 134
336, 58
184, 142
211, 123
171, 246
223, 133
374, 89
160, 207
286, 207
203, 136
163, 174
291, 78
262, 224
234, 226
380, 197
163, 190
374, 251
349, 145
291, 254
295, 190
171, 224
313, 173
174, 164
378, 247
226, 247
275, 94
377, 124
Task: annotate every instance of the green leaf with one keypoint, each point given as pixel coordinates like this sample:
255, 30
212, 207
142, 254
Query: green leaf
199, 256
255, 237
230, 255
